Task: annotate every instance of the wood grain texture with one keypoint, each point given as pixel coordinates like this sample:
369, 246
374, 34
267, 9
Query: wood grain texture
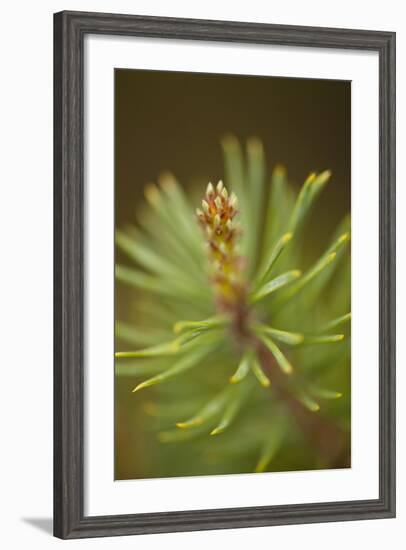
69, 31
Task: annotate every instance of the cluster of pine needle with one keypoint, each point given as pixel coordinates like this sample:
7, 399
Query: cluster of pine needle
240, 345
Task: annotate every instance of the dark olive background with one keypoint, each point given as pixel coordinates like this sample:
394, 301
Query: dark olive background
174, 121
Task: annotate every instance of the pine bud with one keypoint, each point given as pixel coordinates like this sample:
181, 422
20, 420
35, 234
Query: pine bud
233, 202
217, 202
210, 190
205, 206
225, 263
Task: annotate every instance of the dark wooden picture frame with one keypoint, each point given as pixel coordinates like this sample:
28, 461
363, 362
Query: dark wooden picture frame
70, 29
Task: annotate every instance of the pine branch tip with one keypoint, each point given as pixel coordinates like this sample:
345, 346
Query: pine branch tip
288, 369
151, 193
310, 178
189, 424
254, 145
279, 170
141, 386
327, 174
344, 237
229, 141
166, 181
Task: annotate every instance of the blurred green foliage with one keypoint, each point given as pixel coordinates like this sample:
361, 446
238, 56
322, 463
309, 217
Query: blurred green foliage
289, 404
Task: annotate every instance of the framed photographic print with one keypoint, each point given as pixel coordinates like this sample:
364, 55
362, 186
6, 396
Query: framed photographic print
224, 274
